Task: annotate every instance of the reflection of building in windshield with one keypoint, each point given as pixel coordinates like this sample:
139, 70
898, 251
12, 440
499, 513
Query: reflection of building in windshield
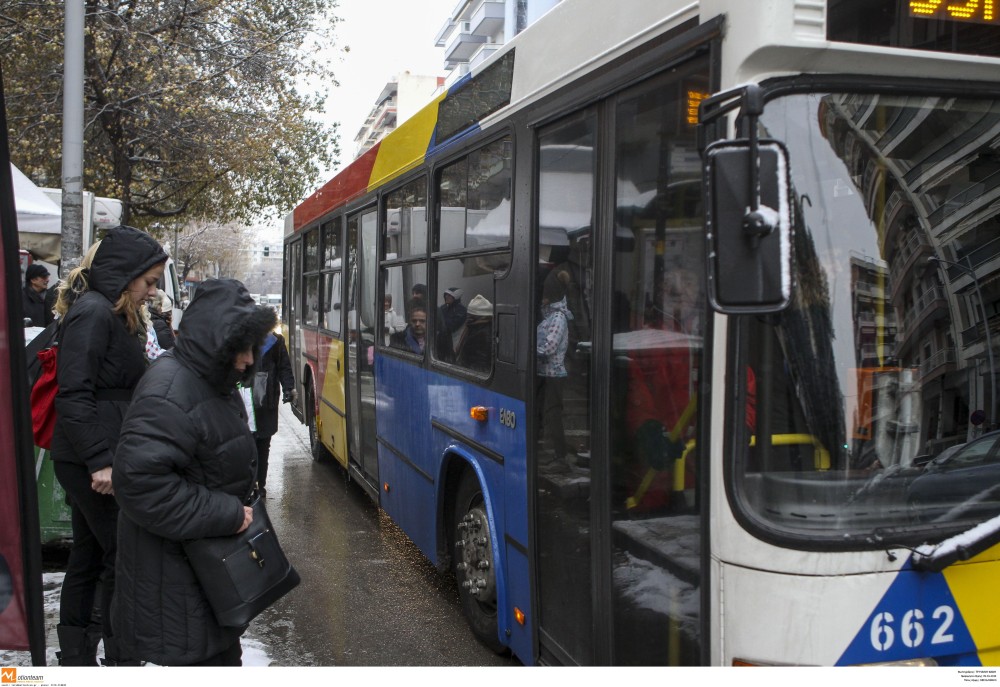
928, 173
883, 388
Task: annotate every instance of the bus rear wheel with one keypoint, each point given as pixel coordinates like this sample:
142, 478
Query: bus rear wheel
473, 562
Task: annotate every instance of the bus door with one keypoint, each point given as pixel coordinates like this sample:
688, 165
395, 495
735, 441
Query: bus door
292, 316
333, 401
567, 159
620, 252
657, 333
362, 269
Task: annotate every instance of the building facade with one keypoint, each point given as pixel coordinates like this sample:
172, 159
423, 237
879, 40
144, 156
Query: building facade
478, 28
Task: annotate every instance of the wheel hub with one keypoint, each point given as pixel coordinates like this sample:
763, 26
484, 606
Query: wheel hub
475, 554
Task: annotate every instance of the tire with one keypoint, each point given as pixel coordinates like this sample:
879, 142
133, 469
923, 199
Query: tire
316, 447
473, 562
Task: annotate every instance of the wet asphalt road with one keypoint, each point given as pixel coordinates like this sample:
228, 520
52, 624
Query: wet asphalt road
368, 596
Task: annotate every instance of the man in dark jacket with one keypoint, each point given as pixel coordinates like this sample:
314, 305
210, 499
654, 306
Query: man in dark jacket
185, 465
276, 368
36, 281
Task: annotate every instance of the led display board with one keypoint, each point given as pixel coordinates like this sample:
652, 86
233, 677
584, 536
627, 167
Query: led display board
961, 26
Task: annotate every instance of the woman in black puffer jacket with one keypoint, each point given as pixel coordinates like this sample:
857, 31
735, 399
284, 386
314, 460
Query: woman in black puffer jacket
100, 360
185, 464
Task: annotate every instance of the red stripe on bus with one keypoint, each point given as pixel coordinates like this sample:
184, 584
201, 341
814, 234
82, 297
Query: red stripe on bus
348, 184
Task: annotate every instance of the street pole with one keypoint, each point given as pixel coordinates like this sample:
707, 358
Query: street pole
72, 144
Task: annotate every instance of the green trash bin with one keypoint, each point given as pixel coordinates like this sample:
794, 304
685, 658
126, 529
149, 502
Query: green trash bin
53, 511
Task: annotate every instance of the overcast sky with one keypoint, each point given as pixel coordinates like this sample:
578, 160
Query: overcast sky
386, 37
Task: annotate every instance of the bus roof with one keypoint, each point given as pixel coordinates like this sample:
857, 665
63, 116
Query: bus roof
494, 88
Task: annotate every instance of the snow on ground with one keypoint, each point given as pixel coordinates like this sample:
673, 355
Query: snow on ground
254, 651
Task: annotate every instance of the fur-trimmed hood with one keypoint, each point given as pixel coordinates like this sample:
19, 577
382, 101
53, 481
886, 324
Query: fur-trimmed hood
222, 320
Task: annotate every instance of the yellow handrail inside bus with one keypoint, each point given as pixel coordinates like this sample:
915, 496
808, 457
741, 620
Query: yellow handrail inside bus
674, 434
647, 479
821, 457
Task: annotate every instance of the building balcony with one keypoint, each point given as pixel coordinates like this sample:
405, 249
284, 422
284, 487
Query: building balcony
484, 51
488, 18
458, 70
463, 45
386, 118
922, 315
907, 262
942, 361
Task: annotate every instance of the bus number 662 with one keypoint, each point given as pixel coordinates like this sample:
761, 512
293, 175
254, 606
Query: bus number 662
911, 628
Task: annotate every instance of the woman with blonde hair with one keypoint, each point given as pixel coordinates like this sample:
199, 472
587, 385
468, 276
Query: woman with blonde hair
101, 356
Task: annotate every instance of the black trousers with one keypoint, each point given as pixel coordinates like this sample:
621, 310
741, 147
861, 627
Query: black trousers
263, 451
94, 519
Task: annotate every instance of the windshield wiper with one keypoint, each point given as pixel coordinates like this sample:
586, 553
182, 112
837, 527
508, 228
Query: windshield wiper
961, 547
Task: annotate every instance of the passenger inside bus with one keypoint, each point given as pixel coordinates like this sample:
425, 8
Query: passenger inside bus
475, 348
394, 322
551, 344
412, 338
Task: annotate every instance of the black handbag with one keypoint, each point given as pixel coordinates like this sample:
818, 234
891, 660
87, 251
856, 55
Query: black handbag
242, 574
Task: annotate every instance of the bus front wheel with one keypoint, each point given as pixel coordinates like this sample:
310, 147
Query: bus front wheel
473, 562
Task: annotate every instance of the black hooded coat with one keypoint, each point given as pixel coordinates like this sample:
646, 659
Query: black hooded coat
99, 361
185, 464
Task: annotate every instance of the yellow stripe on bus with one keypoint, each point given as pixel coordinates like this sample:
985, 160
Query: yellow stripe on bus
406, 146
974, 585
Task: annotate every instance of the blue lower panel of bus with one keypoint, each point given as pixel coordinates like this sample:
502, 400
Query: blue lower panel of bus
424, 425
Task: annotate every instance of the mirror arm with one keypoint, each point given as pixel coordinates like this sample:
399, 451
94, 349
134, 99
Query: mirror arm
756, 223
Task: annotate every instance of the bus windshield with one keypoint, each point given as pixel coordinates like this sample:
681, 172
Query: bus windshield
869, 407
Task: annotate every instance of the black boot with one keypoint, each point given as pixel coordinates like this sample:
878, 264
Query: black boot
114, 654
75, 648
93, 639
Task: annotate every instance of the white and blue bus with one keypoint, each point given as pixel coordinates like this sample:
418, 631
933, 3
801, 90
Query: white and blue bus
669, 330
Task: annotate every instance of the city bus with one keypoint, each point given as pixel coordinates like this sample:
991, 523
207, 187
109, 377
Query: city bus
668, 331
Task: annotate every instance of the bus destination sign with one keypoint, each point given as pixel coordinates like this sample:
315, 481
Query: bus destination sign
970, 27
978, 11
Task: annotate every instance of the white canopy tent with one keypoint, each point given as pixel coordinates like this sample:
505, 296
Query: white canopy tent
39, 220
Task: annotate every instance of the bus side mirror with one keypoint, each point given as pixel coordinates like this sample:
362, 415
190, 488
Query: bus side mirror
749, 238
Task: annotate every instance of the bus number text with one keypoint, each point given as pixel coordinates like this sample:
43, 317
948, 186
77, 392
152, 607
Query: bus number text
910, 629
508, 418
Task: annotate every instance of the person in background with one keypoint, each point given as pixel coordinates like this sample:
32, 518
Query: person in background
412, 338
551, 343
160, 312
394, 322
475, 350
50, 302
452, 312
36, 281
186, 464
100, 360
276, 368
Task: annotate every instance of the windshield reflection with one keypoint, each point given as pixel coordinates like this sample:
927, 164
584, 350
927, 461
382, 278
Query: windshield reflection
857, 396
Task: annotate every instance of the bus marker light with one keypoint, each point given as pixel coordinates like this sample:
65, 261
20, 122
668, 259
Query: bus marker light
480, 413
385, 487
518, 615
